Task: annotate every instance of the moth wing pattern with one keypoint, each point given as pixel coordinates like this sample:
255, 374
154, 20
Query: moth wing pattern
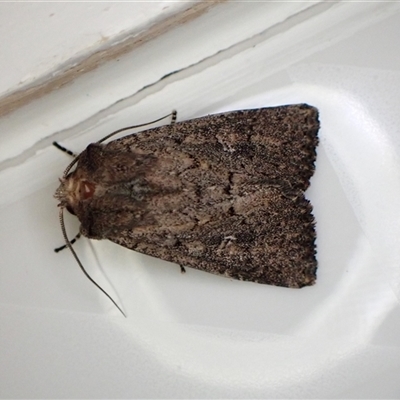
272, 243
222, 193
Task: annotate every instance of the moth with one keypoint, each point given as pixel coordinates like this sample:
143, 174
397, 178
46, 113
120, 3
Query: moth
222, 193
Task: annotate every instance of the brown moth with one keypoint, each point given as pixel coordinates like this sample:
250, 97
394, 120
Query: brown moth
222, 193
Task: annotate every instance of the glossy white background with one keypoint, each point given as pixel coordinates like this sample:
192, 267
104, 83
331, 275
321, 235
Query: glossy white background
199, 335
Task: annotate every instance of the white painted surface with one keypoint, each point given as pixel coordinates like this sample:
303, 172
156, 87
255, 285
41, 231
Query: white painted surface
198, 335
40, 37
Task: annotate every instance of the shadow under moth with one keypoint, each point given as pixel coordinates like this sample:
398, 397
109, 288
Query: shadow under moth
222, 193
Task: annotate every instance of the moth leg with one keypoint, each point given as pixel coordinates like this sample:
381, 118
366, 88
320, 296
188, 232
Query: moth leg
63, 149
183, 270
174, 115
57, 249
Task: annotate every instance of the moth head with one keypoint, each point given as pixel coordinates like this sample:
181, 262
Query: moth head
64, 194
73, 191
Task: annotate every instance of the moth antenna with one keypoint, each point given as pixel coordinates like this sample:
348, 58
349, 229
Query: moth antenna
77, 236
73, 162
136, 126
68, 244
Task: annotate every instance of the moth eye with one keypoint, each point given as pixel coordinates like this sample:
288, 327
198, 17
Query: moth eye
70, 210
86, 190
